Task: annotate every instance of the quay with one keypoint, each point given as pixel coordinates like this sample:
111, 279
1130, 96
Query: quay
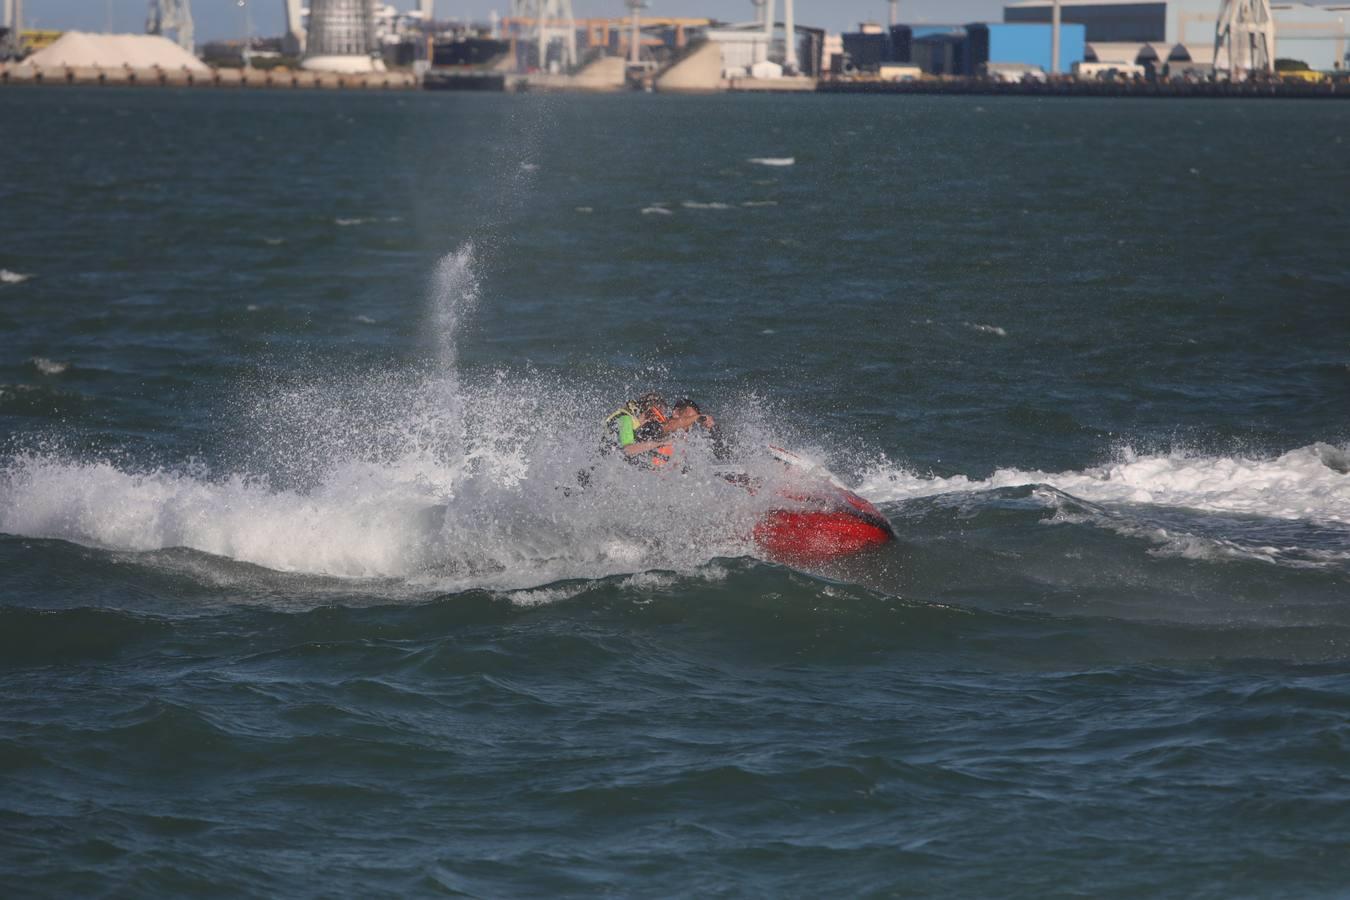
613, 81
1068, 87
277, 78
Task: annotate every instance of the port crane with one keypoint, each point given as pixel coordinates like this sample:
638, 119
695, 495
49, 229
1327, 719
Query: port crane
1244, 30
1244, 38
13, 44
551, 20
171, 15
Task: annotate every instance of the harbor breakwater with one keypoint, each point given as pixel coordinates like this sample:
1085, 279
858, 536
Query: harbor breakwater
1074, 88
587, 82
281, 78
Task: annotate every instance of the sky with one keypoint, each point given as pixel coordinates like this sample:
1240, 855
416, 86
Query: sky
223, 19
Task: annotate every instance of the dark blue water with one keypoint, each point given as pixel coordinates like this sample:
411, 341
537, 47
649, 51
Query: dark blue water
300, 595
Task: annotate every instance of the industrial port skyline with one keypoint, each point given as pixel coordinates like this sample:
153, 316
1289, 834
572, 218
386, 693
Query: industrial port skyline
1297, 50
227, 21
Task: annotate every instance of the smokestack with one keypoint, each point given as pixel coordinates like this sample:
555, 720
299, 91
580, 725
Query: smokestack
634, 40
16, 26
295, 33
768, 27
895, 12
789, 38
1054, 38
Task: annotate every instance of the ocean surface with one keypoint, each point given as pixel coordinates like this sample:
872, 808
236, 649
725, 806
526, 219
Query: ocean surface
300, 594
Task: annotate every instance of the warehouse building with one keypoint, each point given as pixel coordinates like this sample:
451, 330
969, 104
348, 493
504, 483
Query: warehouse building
997, 44
975, 49
1150, 32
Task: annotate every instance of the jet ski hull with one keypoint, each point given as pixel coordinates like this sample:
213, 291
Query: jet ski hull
829, 524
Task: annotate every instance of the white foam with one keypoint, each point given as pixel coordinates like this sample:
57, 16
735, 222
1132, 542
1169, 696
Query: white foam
474, 517
546, 596
656, 211
1298, 485
349, 222
1179, 543
331, 532
987, 329
49, 366
8, 277
773, 160
695, 204
410, 475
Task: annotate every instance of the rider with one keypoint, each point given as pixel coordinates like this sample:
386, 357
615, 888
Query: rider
686, 414
639, 430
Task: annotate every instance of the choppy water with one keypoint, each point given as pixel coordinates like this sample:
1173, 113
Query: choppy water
297, 596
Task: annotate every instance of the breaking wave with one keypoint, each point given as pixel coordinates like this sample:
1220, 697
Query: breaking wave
1309, 483
439, 480
419, 474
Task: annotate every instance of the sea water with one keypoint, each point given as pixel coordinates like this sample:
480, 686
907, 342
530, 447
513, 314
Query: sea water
301, 593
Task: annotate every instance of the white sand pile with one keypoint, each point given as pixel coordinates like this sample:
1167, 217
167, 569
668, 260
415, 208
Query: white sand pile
114, 51
346, 65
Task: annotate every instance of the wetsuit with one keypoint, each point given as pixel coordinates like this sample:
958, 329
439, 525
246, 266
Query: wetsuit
626, 431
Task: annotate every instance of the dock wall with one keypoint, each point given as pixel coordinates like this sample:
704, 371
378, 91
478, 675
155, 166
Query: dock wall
283, 79
1072, 88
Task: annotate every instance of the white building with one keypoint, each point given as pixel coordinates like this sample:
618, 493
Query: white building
1156, 30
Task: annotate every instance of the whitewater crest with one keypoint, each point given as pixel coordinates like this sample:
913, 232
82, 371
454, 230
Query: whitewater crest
46, 366
405, 501
422, 475
1309, 483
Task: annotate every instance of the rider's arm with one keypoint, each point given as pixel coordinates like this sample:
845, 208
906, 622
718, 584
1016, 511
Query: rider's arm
643, 447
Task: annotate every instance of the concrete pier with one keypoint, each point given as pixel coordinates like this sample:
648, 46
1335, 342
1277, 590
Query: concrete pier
247, 79
1066, 87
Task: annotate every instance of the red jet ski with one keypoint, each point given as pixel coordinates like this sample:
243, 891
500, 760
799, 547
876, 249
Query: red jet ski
823, 521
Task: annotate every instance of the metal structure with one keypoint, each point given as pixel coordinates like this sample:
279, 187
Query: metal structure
1244, 39
340, 28
295, 29
1055, 22
635, 35
550, 20
171, 15
14, 22
768, 32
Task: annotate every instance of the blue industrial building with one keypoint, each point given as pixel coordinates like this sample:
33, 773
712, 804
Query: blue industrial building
1027, 44
964, 49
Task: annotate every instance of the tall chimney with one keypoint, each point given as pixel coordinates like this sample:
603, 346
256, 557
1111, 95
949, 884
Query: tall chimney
768, 27
1054, 37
